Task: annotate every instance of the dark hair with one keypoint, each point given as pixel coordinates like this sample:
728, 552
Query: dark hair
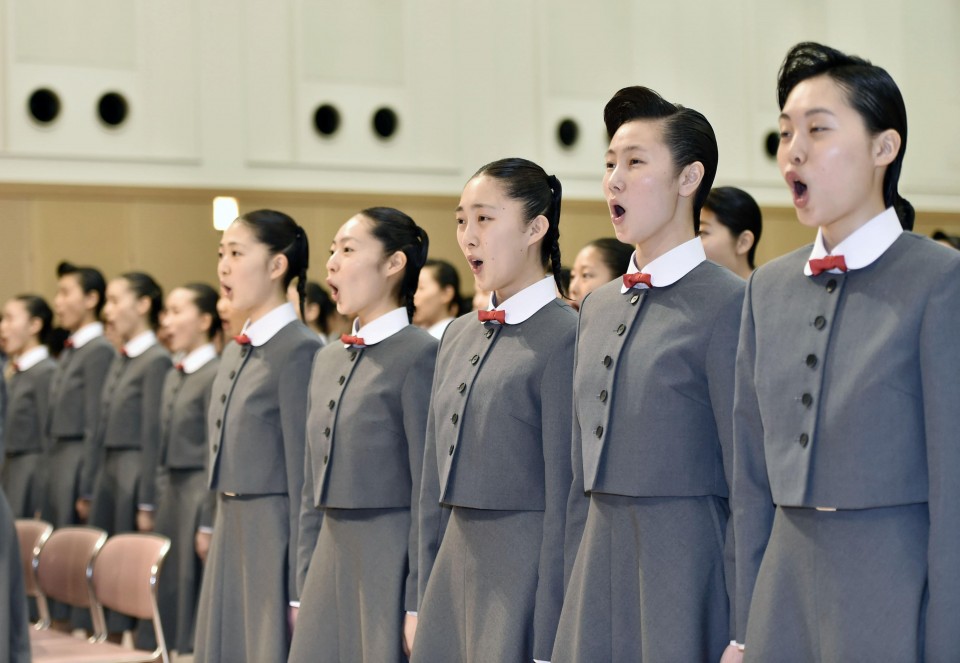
90, 280
398, 232
952, 240
281, 234
540, 193
315, 294
738, 211
686, 133
143, 285
446, 275
205, 299
869, 89
37, 307
614, 253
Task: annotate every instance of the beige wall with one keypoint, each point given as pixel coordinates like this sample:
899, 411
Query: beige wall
169, 232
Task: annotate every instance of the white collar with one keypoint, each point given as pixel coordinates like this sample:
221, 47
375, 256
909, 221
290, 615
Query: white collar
525, 303
269, 325
197, 359
381, 328
86, 334
671, 266
864, 245
437, 330
139, 344
31, 358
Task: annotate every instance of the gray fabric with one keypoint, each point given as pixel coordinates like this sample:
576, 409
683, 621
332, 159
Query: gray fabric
257, 429
242, 615
76, 389
498, 438
62, 489
14, 621
653, 402
182, 494
24, 480
874, 349
855, 582
129, 417
27, 410
351, 607
480, 602
648, 583
183, 417
365, 436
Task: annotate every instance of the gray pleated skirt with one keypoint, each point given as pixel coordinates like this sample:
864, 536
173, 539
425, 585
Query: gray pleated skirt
63, 488
842, 586
648, 583
181, 500
352, 605
24, 483
479, 601
242, 614
14, 622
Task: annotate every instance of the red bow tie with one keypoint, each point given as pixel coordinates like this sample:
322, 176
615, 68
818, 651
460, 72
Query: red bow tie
635, 279
123, 351
346, 339
68, 343
16, 367
821, 265
242, 339
179, 367
493, 316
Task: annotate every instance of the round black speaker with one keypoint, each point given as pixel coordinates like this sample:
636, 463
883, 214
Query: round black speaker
113, 109
44, 105
772, 143
385, 122
568, 132
326, 120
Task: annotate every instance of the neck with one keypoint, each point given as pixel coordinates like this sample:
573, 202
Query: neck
141, 328
743, 270
27, 347
196, 345
83, 323
268, 305
838, 230
529, 276
374, 311
671, 236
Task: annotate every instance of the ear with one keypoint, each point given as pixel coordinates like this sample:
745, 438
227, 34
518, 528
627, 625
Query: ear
744, 242
537, 229
278, 266
206, 320
396, 263
143, 306
36, 324
886, 147
690, 178
91, 299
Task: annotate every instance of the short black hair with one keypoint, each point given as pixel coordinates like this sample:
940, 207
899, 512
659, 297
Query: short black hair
144, 285
446, 275
870, 90
281, 234
205, 299
37, 307
614, 254
952, 240
90, 280
738, 211
396, 231
686, 133
315, 294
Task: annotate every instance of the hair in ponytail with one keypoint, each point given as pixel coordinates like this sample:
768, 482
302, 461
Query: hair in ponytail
205, 299
143, 285
281, 234
398, 232
38, 308
540, 194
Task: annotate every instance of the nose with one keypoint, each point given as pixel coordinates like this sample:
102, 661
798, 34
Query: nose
332, 263
222, 268
614, 181
468, 234
793, 150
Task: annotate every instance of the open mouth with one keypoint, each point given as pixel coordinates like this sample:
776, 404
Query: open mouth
799, 190
475, 265
617, 212
334, 291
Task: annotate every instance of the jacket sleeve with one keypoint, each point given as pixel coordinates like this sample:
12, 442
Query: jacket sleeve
578, 502
311, 518
293, 390
95, 372
752, 503
721, 377
152, 394
939, 367
556, 394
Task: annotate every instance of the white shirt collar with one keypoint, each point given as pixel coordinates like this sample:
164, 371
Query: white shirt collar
525, 303
139, 344
671, 266
864, 245
31, 358
86, 334
437, 330
381, 328
199, 358
267, 327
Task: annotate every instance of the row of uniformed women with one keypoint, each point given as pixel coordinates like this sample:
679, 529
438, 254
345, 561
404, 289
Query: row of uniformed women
817, 406
127, 434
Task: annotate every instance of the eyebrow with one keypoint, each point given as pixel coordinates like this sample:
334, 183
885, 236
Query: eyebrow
477, 206
812, 111
629, 148
231, 244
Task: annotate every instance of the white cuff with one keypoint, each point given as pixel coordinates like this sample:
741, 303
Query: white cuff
203, 529
412, 613
737, 645
146, 507
294, 604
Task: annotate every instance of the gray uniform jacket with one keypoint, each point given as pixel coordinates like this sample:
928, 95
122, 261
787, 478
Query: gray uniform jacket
257, 422
28, 403
498, 437
365, 434
130, 417
848, 396
76, 389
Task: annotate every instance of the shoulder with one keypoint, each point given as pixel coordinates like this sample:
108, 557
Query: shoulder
924, 256
787, 266
417, 339
157, 355
295, 337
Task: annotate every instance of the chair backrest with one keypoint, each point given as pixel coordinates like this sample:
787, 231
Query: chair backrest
63, 563
31, 534
125, 573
